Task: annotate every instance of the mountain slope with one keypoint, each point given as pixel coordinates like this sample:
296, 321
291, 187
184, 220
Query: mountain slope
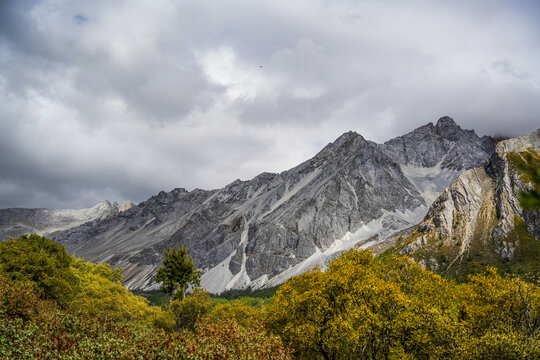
262, 231
432, 156
50, 222
478, 220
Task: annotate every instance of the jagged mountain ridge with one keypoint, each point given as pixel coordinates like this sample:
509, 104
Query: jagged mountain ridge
478, 218
262, 231
52, 222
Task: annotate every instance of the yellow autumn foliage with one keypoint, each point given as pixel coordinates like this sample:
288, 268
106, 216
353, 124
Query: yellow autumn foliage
102, 295
242, 314
189, 310
366, 308
500, 317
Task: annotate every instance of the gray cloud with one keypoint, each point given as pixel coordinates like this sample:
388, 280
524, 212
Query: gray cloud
120, 100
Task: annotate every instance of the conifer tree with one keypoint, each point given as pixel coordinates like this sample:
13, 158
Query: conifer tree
177, 272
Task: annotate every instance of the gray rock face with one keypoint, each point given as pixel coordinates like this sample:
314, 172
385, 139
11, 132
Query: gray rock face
262, 231
433, 156
19, 221
444, 143
478, 210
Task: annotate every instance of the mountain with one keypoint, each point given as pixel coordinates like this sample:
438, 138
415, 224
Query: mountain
478, 219
263, 231
50, 222
433, 156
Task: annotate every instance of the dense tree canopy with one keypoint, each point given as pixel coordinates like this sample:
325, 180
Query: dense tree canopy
97, 318
191, 309
361, 307
366, 308
102, 295
41, 261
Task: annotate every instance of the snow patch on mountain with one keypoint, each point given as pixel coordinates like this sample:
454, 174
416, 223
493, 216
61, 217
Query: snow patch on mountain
430, 181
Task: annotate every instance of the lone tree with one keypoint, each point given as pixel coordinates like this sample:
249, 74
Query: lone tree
177, 272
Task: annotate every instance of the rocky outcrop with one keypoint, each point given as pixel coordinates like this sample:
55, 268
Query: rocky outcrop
508, 181
444, 144
263, 231
477, 214
463, 207
433, 156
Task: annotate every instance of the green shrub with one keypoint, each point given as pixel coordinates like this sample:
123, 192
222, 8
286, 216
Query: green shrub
43, 262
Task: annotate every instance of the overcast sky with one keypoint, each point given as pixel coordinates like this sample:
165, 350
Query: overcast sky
121, 99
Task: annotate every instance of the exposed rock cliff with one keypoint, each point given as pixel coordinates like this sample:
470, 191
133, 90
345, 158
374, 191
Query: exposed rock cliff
477, 220
263, 231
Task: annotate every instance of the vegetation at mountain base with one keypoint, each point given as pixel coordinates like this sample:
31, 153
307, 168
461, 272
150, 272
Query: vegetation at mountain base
253, 298
154, 297
44, 263
177, 272
54, 306
367, 308
102, 295
242, 293
480, 254
191, 309
361, 307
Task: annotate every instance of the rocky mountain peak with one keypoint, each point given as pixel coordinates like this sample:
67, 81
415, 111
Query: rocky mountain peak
430, 145
261, 232
347, 136
519, 144
446, 122
447, 128
346, 145
264, 178
344, 140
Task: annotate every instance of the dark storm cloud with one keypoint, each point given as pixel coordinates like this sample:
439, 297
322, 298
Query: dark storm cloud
15, 27
122, 99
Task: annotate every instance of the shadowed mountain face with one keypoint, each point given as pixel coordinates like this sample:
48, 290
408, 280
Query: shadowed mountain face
263, 231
